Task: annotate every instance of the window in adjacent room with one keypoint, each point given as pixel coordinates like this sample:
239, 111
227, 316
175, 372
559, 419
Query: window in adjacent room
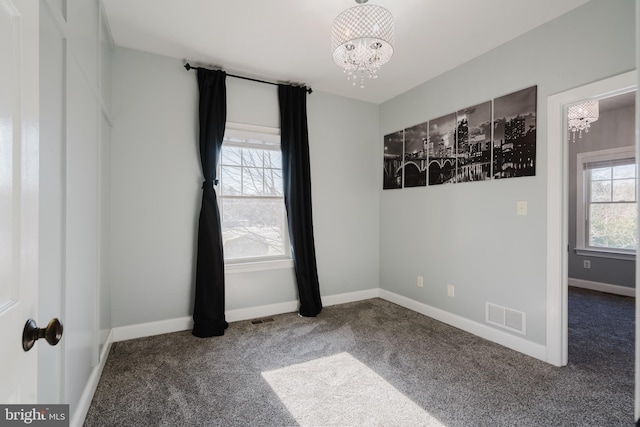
252, 211
606, 203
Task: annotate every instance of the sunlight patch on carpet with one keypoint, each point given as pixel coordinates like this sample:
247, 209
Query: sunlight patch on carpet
341, 390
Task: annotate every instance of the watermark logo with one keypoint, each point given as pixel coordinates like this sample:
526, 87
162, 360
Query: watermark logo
34, 415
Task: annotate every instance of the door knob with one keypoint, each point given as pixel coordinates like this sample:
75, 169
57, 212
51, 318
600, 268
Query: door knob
31, 333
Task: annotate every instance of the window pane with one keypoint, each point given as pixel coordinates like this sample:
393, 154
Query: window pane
252, 157
273, 159
253, 228
624, 190
613, 225
252, 183
231, 156
273, 182
231, 180
600, 174
624, 171
601, 191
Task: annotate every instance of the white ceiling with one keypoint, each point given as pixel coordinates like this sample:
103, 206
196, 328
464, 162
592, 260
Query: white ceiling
289, 40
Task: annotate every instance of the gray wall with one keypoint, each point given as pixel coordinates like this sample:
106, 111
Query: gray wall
468, 234
615, 128
156, 190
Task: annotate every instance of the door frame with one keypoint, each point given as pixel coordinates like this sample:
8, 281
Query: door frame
558, 204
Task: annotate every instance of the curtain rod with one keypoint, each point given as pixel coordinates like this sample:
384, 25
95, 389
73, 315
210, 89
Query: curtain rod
189, 67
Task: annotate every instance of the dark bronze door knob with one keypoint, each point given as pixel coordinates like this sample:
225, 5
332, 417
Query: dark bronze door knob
31, 333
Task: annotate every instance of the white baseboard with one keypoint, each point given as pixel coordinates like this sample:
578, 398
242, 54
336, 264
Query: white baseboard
240, 314
603, 287
141, 330
513, 342
330, 300
80, 411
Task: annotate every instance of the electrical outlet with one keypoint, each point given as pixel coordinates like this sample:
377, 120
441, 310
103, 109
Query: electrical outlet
587, 263
451, 291
420, 282
521, 208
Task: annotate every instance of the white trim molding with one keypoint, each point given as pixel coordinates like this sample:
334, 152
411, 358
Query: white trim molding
123, 333
487, 332
582, 199
505, 339
330, 300
603, 287
608, 253
80, 412
141, 330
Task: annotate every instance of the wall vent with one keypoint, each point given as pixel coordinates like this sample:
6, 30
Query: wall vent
259, 321
507, 318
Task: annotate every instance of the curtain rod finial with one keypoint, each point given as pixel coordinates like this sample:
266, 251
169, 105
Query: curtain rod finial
187, 66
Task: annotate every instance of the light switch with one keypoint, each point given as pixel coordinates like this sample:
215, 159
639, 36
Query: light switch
521, 207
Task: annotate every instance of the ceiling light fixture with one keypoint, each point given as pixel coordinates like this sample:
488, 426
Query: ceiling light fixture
362, 40
581, 116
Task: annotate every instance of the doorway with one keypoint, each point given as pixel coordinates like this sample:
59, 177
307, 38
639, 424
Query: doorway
601, 195
557, 205
602, 237
602, 223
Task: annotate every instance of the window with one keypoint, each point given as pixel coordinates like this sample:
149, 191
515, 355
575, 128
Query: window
606, 203
253, 215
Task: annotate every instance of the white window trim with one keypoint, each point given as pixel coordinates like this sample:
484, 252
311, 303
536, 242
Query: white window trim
240, 265
606, 253
241, 130
247, 266
581, 237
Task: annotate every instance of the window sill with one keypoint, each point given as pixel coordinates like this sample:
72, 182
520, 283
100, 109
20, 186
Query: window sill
248, 266
608, 253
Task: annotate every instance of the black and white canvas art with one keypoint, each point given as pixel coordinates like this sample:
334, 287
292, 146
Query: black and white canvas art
393, 152
514, 134
441, 148
474, 143
415, 156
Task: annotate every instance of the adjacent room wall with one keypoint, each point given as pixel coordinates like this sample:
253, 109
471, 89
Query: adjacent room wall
615, 128
156, 184
468, 234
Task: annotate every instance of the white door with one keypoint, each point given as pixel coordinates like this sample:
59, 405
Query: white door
19, 151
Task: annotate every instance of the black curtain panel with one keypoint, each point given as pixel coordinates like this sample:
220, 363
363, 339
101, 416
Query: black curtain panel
297, 194
208, 310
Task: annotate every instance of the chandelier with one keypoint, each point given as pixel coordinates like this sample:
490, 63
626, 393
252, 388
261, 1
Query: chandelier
581, 116
362, 40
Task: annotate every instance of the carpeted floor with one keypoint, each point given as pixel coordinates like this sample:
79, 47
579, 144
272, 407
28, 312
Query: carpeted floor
372, 363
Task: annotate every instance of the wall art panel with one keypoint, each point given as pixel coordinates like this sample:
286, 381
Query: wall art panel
514, 134
441, 148
415, 156
474, 143
393, 152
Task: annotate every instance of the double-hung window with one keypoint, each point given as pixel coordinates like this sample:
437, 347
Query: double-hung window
253, 215
606, 203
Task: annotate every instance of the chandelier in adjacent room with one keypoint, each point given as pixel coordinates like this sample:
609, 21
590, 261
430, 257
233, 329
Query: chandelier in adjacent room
362, 40
581, 116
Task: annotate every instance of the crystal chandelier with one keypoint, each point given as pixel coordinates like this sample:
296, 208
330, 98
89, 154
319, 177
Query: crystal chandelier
581, 116
362, 40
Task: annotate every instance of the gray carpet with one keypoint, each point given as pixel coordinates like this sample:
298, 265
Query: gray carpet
372, 363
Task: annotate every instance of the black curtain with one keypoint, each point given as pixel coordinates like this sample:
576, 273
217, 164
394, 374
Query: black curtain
208, 310
297, 194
